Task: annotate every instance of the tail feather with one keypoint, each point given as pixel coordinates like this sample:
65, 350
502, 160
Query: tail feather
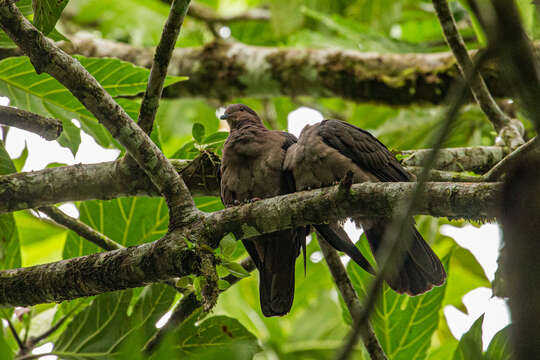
338, 238
275, 255
421, 269
276, 291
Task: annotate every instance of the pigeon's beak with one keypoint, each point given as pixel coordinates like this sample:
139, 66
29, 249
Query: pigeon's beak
224, 117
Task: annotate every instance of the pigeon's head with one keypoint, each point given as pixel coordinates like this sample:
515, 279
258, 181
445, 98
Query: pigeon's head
239, 114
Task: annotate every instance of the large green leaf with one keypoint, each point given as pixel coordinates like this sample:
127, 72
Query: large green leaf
47, 13
403, 324
128, 221
215, 337
100, 330
44, 95
357, 36
499, 347
466, 275
7, 352
470, 345
41, 242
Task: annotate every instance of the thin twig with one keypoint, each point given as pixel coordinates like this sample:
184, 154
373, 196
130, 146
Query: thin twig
392, 255
80, 228
162, 57
45, 127
36, 339
352, 302
502, 167
501, 122
20, 343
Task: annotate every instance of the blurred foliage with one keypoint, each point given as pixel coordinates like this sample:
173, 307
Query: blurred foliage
114, 325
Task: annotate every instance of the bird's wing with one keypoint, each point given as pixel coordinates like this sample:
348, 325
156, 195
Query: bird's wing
363, 149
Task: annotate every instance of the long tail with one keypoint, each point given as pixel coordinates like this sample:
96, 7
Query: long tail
421, 269
275, 256
338, 238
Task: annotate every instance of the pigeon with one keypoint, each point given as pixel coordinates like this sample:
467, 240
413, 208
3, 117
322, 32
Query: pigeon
252, 169
323, 155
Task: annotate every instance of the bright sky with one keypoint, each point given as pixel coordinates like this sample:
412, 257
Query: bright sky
483, 242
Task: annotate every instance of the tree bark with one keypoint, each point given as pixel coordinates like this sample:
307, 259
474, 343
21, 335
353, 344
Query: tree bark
225, 70
171, 257
114, 179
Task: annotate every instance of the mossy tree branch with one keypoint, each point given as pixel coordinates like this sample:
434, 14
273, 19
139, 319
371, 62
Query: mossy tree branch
225, 70
114, 179
171, 257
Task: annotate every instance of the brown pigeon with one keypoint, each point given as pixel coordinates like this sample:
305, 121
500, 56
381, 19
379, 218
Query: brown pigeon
323, 155
251, 169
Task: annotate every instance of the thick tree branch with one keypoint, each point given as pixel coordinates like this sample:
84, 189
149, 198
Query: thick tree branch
46, 57
224, 70
80, 228
45, 127
98, 273
110, 180
478, 159
510, 130
350, 297
103, 181
170, 256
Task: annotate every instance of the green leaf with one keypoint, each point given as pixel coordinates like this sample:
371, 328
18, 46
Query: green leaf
43, 95
47, 13
470, 345
21, 160
187, 151
208, 203
7, 352
198, 132
153, 302
235, 269
6, 165
98, 327
128, 221
466, 275
215, 337
41, 242
403, 324
499, 348
216, 137
228, 245
70, 137
223, 285
101, 329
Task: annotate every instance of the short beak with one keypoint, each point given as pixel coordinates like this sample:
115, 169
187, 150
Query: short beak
224, 117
